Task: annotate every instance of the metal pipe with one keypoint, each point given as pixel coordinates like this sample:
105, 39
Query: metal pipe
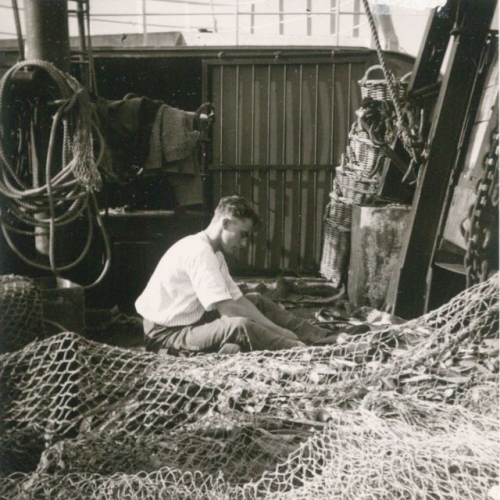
237, 23
252, 19
355, 20
333, 15
144, 24
213, 15
47, 32
281, 18
231, 14
85, 65
337, 24
47, 39
80, 15
309, 18
20, 41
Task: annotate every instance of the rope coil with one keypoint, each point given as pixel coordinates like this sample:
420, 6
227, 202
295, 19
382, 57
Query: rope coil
70, 181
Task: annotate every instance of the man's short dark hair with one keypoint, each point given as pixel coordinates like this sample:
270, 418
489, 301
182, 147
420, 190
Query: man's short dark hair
236, 207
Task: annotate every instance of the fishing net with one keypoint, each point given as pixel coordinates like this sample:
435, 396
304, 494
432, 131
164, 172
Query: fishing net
21, 312
403, 411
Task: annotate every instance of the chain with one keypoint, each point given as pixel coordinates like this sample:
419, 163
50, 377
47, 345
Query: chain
482, 234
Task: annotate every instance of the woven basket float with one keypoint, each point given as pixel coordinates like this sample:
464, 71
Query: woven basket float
378, 89
350, 187
336, 251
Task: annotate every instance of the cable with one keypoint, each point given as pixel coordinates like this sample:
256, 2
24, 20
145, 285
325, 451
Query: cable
60, 327
92, 73
67, 193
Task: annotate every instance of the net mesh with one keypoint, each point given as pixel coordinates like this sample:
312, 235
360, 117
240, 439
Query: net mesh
21, 312
404, 411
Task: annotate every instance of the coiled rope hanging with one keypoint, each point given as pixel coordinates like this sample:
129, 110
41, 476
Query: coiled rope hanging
409, 138
67, 193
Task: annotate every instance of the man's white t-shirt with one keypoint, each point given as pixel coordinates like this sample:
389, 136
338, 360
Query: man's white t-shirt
189, 279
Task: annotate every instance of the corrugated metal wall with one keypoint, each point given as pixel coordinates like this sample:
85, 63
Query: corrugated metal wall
281, 128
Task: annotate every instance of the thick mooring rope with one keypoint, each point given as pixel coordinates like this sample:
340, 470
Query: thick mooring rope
66, 194
388, 74
410, 140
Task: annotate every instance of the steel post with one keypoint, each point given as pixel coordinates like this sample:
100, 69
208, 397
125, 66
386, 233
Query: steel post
47, 39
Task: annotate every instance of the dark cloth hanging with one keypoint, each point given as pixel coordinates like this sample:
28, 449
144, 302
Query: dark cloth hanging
126, 126
174, 137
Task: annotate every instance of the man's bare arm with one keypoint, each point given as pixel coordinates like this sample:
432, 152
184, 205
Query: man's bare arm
243, 308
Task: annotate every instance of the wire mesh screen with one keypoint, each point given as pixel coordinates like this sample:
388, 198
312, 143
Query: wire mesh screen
404, 411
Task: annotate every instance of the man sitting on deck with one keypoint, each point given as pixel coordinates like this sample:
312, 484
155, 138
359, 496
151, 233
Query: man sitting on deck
191, 303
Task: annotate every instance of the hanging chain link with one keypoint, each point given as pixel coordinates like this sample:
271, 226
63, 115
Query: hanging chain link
482, 234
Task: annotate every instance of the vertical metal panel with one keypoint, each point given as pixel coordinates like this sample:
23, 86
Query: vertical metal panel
357, 72
293, 126
295, 224
333, 151
229, 135
253, 179
237, 118
276, 156
286, 119
341, 92
282, 185
309, 137
268, 176
217, 85
260, 156
244, 127
324, 113
261, 124
292, 112
276, 116
307, 112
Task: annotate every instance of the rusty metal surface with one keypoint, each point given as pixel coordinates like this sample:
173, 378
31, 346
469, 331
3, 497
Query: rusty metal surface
377, 235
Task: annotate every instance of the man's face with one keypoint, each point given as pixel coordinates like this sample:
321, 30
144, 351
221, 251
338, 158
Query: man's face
235, 234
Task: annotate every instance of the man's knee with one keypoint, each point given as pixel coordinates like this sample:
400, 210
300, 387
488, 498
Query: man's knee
239, 330
239, 324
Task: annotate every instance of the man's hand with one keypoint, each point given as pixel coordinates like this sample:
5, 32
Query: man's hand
243, 308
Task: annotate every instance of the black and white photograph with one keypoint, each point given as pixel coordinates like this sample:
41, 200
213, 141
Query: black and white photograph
249, 250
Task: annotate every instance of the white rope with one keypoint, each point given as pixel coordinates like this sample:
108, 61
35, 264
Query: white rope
66, 194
